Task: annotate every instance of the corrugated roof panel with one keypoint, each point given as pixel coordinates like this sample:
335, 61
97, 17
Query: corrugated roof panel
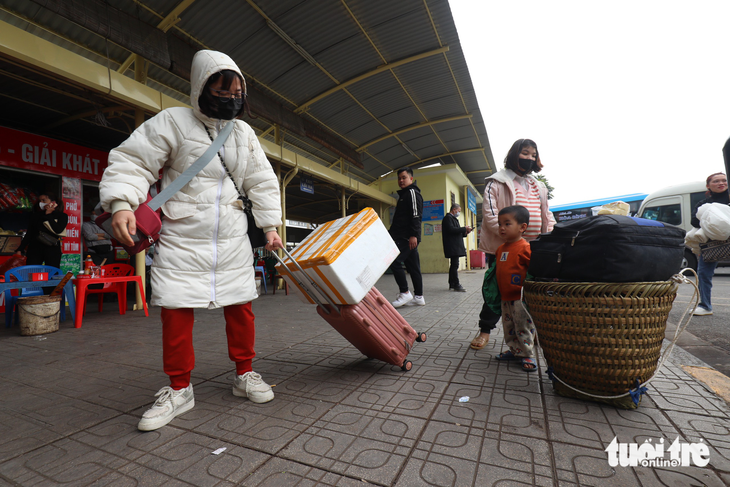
341, 48
329, 33
404, 117
162, 7
290, 82
391, 99
462, 143
398, 29
349, 58
423, 141
395, 154
58, 31
349, 119
415, 134
369, 130
334, 105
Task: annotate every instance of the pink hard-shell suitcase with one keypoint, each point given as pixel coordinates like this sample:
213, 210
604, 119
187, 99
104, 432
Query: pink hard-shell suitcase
373, 325
375, 328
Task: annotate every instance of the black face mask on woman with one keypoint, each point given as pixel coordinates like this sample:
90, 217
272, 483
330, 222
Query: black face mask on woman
226, 110
525, 165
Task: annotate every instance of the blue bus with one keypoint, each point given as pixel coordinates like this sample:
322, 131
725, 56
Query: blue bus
582, 209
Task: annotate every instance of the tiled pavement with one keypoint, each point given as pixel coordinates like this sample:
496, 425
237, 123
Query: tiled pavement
70, 402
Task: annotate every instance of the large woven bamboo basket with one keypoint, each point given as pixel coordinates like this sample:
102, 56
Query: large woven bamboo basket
600, 337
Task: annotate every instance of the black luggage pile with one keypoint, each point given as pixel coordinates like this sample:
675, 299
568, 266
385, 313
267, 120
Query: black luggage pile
608, 248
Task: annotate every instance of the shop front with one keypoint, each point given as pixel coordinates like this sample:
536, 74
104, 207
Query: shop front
32, 165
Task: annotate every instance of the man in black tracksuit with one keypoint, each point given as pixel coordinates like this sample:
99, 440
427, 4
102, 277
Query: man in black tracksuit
405, 229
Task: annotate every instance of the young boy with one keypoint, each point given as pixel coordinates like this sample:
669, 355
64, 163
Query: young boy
513, 258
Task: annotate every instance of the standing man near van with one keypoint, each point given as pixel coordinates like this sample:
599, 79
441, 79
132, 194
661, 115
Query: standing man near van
452, 236
405, 229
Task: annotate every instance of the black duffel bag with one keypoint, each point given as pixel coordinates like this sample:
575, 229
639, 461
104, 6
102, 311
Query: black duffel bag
608, 248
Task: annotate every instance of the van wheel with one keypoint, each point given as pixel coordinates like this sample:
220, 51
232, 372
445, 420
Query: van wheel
689, 260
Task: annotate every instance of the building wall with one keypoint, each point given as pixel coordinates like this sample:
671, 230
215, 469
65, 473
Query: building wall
435, 184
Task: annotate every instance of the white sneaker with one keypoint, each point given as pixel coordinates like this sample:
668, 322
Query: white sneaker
251, 385
169, 403
416, 301
700, 311
402, 299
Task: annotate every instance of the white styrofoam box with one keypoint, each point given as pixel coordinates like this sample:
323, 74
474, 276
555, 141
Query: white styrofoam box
345, 257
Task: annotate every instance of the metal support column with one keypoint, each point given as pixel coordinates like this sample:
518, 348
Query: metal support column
140, 74
344, 202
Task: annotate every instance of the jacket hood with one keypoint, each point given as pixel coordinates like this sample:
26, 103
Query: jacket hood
205, 64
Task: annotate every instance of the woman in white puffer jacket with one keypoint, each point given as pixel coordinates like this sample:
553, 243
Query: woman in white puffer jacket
203, 257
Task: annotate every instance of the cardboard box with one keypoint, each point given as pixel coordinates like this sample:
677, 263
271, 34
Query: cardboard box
345, 257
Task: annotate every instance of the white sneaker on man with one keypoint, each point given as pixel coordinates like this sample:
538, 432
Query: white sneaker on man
169, 403
700, 311
416, 301
402, 299
252, 386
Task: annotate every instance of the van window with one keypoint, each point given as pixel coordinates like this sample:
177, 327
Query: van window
671, 214
695, 198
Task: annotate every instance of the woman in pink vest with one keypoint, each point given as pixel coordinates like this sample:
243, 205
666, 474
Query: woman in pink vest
513, 185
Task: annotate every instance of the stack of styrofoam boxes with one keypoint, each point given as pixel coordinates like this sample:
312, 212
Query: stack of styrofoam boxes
345, 257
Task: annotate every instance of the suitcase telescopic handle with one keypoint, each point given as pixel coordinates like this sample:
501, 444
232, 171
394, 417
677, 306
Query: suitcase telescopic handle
304, 286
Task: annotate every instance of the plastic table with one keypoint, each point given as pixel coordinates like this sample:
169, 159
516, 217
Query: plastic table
39, 284
83, 283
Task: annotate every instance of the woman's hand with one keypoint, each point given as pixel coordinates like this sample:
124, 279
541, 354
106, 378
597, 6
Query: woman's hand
273, 241
50, 207
124, 224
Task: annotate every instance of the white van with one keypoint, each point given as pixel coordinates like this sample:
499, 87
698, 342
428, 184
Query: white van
674, 205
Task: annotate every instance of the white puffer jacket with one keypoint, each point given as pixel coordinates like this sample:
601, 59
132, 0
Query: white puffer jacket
204, 258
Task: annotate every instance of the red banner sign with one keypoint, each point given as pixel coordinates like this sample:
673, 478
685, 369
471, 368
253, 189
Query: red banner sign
36, 153
72, 203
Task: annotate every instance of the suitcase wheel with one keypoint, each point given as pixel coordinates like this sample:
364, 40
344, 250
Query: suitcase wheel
407, 365
421, 337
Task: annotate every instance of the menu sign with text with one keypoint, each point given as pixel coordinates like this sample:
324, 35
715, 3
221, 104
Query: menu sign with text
71, 245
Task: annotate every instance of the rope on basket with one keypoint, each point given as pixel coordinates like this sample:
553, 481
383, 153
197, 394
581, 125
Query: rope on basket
640, 388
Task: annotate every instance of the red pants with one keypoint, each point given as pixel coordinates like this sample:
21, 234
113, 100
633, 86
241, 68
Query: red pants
177, 341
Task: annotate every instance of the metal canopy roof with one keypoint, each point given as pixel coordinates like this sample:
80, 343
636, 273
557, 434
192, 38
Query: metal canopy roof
386, 80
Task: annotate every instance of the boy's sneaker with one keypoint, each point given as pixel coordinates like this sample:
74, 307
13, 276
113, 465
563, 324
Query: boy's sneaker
169, 403
700, 311
416, 301
251, 385
402, 299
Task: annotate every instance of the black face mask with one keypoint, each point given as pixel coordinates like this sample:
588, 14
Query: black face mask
226, 110
525, 165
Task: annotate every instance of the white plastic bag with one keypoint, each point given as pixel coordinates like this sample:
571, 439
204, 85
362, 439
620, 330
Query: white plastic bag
694, 238
715, 220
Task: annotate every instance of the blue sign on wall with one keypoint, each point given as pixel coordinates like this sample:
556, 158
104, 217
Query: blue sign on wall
471, 201
306, 184
433, 210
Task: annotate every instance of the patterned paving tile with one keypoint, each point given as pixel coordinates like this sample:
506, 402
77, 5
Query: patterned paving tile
279, 472
438, 470
63, 462
71, 402
119, 436
188, 457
